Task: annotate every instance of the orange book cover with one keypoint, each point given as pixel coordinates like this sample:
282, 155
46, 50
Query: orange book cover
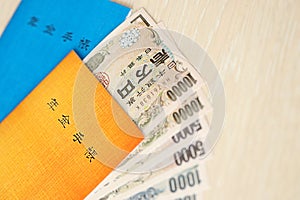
64, 138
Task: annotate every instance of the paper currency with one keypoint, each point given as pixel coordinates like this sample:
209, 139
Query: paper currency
157, 180
142, 68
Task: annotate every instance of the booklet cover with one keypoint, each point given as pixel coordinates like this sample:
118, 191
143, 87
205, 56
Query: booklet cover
41, 33
64, 138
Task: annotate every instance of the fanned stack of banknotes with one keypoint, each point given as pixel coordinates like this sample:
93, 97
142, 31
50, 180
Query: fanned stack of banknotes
140, 65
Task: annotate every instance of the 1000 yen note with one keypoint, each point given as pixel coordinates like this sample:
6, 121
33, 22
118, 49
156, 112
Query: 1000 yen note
143, 181
181, 179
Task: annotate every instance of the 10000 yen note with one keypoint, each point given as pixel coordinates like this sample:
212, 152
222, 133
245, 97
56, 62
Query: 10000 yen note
137, 67
149, 98
142, 85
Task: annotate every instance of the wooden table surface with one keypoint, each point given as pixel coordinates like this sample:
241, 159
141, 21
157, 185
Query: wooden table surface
256, 47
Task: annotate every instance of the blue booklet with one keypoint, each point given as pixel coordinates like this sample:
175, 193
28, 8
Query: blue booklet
41, 33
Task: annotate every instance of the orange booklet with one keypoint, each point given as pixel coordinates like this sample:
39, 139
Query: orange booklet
64, 138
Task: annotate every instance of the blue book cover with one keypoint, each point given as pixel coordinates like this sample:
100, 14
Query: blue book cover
42, 33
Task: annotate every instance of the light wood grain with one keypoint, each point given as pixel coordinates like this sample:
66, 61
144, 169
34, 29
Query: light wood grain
256, 47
